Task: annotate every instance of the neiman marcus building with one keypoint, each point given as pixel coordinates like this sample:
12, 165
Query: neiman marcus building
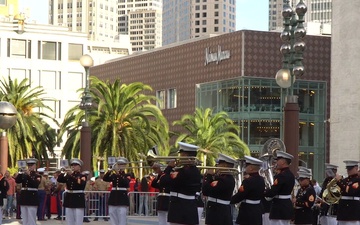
235, 73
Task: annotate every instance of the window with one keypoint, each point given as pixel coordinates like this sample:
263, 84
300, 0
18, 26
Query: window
161, 99
19, 48
171, 104
216, 29
75, 51
216, 21
49, 50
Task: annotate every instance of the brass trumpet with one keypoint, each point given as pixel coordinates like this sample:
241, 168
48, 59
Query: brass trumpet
222, 170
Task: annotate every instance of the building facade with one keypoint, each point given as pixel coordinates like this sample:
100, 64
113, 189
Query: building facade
318, 11
235, 73
345, 101
8, 8
184, 19
48, 56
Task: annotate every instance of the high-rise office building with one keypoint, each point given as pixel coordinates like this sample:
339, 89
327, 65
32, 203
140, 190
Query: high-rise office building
319, 11
185, 19
142, 21
104, 20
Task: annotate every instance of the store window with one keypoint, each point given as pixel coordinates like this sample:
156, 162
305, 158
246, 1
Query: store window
160, 95
19, 48
75, 51
172, 98
49, 50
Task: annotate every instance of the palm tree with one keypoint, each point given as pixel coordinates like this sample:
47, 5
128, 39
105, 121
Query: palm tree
125, 122
213, 133
31, 135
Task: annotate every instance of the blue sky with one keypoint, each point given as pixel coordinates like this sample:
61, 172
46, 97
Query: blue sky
250, 14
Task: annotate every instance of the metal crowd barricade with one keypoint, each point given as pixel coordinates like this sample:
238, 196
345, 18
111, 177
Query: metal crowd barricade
96, 204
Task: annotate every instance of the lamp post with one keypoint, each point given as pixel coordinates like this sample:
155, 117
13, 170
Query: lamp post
86, 103
292, 50
8, 117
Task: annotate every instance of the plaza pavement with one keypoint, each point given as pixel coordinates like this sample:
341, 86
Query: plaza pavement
132, 220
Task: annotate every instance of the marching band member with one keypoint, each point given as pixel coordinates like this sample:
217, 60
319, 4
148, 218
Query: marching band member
326, 216
183, 183
29, 201
250, 194
219, 188
162, 204
349, 203
74, 199
282, 211
304, 200
118, 200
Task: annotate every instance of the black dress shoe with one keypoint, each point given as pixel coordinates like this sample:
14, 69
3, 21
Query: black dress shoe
86, 220
106, 219
96, 219
57, 218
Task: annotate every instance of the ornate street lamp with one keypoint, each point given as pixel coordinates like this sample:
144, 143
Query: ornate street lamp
8, 117
292, 50
86, 103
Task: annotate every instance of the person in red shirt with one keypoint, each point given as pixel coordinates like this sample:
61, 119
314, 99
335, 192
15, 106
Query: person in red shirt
10, 193
132, 183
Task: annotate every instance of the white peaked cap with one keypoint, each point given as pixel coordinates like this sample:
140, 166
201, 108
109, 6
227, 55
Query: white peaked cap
122, 160
303, 174
285, 155
351, 163
226, 158
86, 172
185, 147
304, 169
41, 170
76, 161
31, 161
330, 166
253, 161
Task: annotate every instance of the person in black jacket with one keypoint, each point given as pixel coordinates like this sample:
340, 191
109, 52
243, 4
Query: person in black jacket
349, 203
118, 199
183, 184
74, 199
250, 194
4, 187
305, 199
282, 210
219, 188
162, 201
29, 200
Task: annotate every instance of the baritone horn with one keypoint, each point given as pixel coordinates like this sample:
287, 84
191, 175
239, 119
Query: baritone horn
268, 154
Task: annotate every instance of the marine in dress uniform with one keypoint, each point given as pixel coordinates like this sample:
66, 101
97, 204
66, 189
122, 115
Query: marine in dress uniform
29, 201
349, 203
282, 211
74, 199
118, 200
250, 194
328, 212
162, 201
183, 183
219, 188
305, 199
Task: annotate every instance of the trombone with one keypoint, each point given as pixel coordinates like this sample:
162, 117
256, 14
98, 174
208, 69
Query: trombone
179, 160
222, 170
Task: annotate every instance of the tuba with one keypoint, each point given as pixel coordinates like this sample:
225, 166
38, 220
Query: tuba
268, 154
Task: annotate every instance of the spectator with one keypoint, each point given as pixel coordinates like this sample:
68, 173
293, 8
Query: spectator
10, 194
144, 197
132, 184
101, 186
316, 186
